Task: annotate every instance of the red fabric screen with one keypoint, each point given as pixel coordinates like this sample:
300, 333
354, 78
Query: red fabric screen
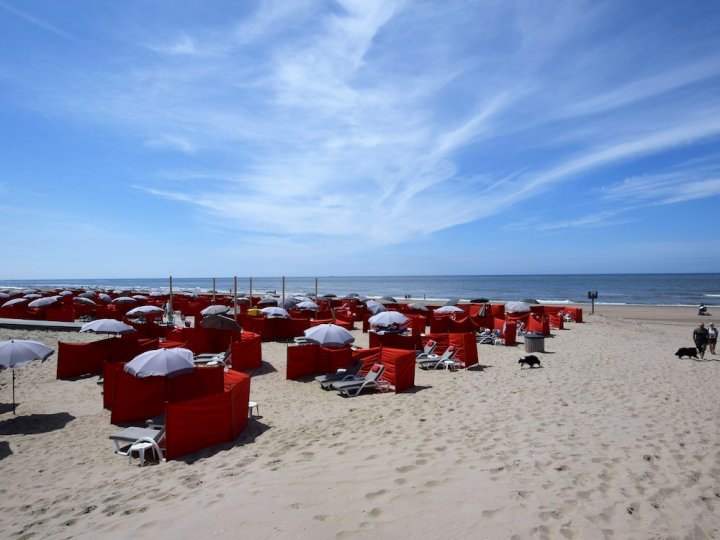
247, 353
331, 359
136, 399
465, 342
301, 361
198, 423
199, 382
76, 359
110, 370
393, 340
399, 368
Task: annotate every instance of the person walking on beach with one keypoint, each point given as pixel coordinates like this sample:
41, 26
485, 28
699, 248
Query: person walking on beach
700, 337
712, 337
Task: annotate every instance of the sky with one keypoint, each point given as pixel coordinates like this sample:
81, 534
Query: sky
150, 138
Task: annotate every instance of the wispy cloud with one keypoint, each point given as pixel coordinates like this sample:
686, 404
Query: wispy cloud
380, 121
34, 21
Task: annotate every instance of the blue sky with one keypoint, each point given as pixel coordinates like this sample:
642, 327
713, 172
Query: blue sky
298, 137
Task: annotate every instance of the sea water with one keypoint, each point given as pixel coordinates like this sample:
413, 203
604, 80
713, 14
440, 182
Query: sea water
641, 289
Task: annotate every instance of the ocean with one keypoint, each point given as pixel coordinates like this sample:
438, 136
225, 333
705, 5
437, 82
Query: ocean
631, 289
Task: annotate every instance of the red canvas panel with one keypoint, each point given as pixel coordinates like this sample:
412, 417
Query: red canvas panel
399, 368
231, 378
239, 400
246, 354
576, 312
418, 323
62, 314
556, 321
510, 333
301, 361
110, 371
393, 340
442, 340
330, 359
497, 310
538, 325
198, 423
369, 357
136, 399
298, 327
467, 347
517, 317
200, 382
76, 359
252, 324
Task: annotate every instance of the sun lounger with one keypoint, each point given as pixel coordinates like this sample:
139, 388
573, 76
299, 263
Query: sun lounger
438, 361
428, 350
371, 381
137, 439
340, 375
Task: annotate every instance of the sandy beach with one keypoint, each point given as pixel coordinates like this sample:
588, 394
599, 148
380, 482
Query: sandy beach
614, 437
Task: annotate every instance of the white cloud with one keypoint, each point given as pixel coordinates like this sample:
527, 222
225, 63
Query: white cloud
382, 121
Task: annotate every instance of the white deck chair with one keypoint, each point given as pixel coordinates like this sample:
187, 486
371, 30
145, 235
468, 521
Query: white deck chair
371, 381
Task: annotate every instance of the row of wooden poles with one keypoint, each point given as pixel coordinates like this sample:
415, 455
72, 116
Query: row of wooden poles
235, 280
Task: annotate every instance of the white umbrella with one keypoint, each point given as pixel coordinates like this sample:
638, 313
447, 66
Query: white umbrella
386, 318
65, 293
84, 300
124, 300
375, 307
329, 335
308, 304
215, 310
32, 296
144, 310
139, 297
419, 307
43, 302
106, 326
274, 311
161, 363
449, 309
14, 302
18, 352
105, 297
517, 307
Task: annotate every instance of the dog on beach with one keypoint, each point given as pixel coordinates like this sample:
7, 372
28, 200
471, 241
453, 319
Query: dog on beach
531, 361
690, 352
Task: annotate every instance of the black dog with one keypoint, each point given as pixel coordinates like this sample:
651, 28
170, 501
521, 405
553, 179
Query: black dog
690, 352
530, 361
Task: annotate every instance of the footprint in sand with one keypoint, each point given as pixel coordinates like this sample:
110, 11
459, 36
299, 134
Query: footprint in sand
375, 494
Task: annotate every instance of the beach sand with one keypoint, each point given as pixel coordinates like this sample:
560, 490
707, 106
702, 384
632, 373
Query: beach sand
614, 437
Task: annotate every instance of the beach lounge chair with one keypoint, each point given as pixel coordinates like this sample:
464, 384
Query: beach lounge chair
371, 381
428, 350
213, 359
438, 361
137, 439
351, 373
488, 338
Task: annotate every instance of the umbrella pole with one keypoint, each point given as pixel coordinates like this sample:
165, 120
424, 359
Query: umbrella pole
13, 385
235, 297
171, 318
283, 292
250, 292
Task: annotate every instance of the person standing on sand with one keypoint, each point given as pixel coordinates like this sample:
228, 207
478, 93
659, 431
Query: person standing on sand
712, 337
700, 337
